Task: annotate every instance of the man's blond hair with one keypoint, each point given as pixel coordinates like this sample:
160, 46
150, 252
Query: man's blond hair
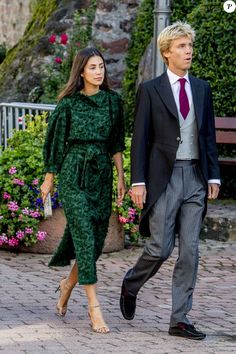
176, 30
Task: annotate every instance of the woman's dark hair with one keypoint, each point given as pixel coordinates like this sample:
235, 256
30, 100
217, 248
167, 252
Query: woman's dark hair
76, 82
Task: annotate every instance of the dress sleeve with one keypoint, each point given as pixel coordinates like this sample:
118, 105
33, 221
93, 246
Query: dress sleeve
56, 137
117, 142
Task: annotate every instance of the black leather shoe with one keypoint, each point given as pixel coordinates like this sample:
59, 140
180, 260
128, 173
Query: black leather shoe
127, 304
187, 331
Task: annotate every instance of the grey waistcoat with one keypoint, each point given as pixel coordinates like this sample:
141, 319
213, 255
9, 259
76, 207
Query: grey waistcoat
188, 147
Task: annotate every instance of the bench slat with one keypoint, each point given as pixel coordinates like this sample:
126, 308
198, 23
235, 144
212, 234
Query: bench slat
225, 123
225, 137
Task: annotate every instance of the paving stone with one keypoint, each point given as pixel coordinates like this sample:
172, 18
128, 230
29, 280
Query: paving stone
28, 323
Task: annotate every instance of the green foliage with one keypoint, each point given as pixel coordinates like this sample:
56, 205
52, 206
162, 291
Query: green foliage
128, 214
214, 53
42, 10
141, 36
20, 176
57, 74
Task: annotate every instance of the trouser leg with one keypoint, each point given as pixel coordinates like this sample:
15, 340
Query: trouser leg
190, 220
161, 243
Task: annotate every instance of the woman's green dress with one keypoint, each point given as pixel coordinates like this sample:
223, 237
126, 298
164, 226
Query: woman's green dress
83, 134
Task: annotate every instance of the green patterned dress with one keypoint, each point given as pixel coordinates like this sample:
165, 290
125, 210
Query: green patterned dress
83, 134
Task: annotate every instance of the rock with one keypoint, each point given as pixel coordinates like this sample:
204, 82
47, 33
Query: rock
220, 223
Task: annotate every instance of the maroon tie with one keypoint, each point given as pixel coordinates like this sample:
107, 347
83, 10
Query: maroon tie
183, 99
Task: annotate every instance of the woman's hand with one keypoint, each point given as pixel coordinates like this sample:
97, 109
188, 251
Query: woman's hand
47, 186
121, 189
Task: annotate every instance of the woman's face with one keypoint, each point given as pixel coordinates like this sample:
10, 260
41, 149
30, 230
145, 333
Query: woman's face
94, 71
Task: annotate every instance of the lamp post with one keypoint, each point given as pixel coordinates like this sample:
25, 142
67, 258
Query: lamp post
162, 13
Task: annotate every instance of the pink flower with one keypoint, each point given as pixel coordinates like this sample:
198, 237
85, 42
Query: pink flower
13, 206
13, 215
35, 182
6, 195
20, 217
122, 219
78, 44
131, 211
41, 235
35, 214
64, 38
28, 230
25, 211
13, 242
52, 38
3, 239
58, 60
1, 217
18, 181
12, 170
20, 235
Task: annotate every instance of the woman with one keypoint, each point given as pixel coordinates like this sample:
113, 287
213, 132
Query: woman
84, 131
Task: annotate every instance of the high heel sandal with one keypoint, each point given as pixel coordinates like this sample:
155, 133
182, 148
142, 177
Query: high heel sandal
101, 327
61, 310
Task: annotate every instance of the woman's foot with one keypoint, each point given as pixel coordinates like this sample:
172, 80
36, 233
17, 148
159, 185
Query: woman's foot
65, 292
97, 322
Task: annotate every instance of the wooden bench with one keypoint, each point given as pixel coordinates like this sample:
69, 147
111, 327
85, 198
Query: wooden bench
226, 134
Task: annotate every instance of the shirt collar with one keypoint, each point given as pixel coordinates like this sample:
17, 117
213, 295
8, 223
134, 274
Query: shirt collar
174, 78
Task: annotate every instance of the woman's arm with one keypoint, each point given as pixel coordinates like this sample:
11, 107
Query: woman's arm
47, 185
121, 179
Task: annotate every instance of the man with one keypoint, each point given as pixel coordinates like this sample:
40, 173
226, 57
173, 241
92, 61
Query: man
174, 169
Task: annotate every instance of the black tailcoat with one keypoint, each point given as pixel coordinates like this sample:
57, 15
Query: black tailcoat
156, 137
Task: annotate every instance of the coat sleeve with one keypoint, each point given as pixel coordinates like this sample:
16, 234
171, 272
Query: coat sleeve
140, 139
212, 156
117, 139
56, 137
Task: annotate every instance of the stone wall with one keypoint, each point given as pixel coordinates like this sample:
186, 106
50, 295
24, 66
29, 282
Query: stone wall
21, 72
14, 17
112, 28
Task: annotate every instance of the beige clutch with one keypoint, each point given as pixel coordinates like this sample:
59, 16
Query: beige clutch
48, 206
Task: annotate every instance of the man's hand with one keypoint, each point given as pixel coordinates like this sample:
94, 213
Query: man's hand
139, 194
213, 190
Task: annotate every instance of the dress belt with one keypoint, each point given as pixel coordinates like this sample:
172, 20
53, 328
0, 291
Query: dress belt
179, 163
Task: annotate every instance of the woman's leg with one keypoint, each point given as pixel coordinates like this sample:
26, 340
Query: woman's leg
94, 310
66, 286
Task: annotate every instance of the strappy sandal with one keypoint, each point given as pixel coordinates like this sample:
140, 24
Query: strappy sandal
101, 327
65, 291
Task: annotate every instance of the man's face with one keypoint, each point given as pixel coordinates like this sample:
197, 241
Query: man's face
179, 55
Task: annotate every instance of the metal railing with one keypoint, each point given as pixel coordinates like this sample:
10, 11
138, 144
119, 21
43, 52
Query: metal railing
12, 116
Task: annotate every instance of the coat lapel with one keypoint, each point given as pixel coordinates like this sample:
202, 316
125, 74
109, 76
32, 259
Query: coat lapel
162, 86
198, 98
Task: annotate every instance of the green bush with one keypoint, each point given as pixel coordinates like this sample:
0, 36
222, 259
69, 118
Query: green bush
57, 71
141, 36
21, 174
214, 53
128, 214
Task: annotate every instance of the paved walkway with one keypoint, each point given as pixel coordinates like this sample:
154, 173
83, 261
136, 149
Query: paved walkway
28, 323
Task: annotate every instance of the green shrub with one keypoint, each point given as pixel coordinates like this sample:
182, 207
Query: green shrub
57, 71
21, 174
141, 36
128, 214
